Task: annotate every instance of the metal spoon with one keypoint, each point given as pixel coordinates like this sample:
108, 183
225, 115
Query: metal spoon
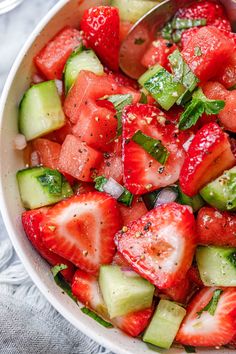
144, 32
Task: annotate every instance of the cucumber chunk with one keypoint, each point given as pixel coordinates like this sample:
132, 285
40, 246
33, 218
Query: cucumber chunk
40, 111
124, 293
132, 10
221, 193
40, 186
81, 60
162, 86
165, 324
217, 265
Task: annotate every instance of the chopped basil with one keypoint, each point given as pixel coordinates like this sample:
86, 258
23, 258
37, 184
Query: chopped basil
185, 23
212, 304
149, 199
139, 41
152, 146
194, 110
125, 198
173, 30
60, 281
189, 349
120, 102
97, 318
99, 183
51, 179
143, 98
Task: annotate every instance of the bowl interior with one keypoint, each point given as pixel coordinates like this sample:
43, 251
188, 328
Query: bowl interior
66, 12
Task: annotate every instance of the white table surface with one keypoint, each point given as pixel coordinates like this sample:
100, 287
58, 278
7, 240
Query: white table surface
15, 27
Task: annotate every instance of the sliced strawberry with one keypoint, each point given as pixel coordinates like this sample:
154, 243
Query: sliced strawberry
160, 245
213, 12
134, 212
179, 292
214, 50
82, 228
216, 91
52, 58
120, 260
31, 221
206, 329
97, 126
216, 227
134, 323
77, 159
142, 173
48, 152
194, 276
101, 31
208, 156
158, 52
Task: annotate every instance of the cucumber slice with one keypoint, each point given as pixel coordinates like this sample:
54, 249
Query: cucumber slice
40, 186
217, 265
165, 324
162, 86
81, 60
124, 293
40, 111
132, 10
221, 193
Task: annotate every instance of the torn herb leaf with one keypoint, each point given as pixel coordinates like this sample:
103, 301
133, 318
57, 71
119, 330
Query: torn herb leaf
152, 146
95, 317
194, 110
212, 304
60, 281
120, 102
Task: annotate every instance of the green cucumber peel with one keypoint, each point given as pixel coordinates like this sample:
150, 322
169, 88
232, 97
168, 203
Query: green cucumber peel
52, 179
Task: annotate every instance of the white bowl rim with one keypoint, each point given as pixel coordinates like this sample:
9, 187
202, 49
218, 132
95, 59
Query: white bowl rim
6, 219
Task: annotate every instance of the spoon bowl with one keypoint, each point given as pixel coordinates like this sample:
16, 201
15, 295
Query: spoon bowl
145, 30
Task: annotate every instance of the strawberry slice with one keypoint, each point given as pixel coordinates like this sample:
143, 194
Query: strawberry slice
142, 173
101, 31
208, 156
194, 276
216, 227
120, 261
82, 229
134, 323
160, 245
209, 329
31, 221
86, 289
213, 12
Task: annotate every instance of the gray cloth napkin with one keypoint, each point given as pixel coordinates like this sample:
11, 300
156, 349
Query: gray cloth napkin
28, 323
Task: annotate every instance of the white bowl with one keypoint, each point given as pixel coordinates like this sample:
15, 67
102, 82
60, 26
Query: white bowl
66, 12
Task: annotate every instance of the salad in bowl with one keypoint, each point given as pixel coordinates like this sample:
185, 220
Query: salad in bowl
129, 185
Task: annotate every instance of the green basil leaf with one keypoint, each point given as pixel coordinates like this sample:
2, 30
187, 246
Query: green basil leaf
97, 318
51, 179
120, 102
60, 281
189, 349
185, 23
143, 98
152, 146
212, 304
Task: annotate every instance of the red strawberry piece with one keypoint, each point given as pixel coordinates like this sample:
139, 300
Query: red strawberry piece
158, 52
134, 212
208, 156
216, 91
213, 12
207, 51
82, 229
194, 276
206, 329
160, 245
216, 228
78, 160
134, 323
86, 289
101, 31
84, 187
142, 173
179, 292
52, 58
120, 261
97, 126
48, 152
31, 221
